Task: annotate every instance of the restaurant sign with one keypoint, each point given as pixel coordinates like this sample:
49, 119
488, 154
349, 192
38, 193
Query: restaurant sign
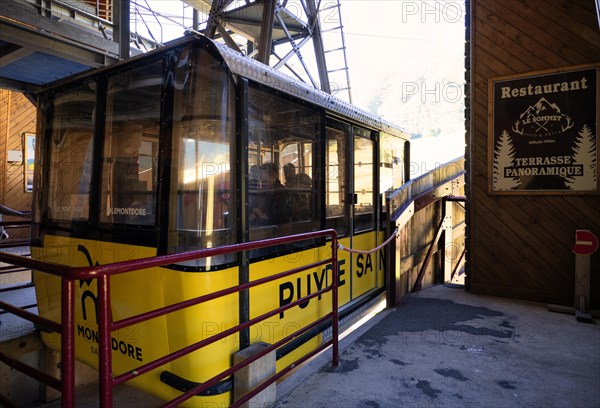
543, 136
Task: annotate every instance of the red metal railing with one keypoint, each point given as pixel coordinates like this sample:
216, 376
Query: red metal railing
10, 244
103, 274
5, 240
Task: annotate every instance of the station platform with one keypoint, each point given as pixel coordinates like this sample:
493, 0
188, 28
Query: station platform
444, 347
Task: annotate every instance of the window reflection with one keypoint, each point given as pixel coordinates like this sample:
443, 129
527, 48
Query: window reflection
70, 158
204, 144
335, 194
129, 170
391, 171
363, 184
282, 192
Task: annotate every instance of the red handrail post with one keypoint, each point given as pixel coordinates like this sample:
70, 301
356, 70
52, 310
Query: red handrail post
67, 367
104, 337
334, 300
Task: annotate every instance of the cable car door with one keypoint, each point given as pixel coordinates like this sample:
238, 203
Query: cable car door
363, 182
350, 195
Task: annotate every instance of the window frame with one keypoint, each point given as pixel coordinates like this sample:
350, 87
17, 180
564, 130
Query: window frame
44, 152
316, 139
130, 163
172, 189
359, 132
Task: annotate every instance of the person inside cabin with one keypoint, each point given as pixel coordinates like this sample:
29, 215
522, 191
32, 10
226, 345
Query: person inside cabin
269, 178
289, 173
293, 180
268, 206
299, 185
254, 177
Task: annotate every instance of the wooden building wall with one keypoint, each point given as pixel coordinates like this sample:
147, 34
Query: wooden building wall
520, 245
17, 116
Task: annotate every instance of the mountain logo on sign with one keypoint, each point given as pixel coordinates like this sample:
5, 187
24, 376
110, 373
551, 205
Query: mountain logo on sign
542, 119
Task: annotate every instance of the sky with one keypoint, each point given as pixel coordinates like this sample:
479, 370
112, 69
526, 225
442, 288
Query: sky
410, 54
405, 59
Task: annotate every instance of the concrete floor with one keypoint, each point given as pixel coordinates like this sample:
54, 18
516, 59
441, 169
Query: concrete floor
444, 347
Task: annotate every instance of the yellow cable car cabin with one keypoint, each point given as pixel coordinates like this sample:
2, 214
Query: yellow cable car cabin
196, 146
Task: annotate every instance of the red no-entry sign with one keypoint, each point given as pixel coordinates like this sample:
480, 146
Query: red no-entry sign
586, 243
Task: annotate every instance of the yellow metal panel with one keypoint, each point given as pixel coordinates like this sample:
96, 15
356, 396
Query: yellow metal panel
284, 291
201, 322
343, 269
364, 267
137, 292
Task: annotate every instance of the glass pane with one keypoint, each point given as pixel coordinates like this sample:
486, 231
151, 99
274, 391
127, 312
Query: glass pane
282, 194
391, 169
336, 206
71, 146
129, 169
298, 182
363, 184
204, 143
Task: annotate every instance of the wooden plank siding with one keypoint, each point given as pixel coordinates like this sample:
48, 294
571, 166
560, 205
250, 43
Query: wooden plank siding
520, 245
17, 116
4, 109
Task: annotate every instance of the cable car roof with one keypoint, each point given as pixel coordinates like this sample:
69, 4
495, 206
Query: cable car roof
256, 71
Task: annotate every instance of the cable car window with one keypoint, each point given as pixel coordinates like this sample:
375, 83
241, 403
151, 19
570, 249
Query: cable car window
70, 154
203, 149
129, 168
364, 216
282, 192
391, 169
296, 161
336, 206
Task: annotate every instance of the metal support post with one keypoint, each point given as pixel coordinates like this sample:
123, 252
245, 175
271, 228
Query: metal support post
122, 32
266, 31
447, 225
